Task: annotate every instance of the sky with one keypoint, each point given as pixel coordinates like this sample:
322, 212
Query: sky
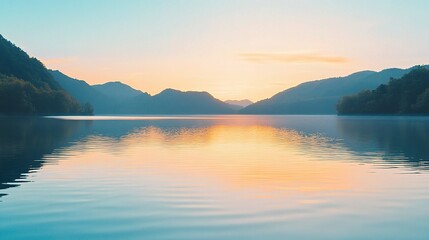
234, 49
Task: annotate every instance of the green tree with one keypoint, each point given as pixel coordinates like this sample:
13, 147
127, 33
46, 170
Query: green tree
407, 95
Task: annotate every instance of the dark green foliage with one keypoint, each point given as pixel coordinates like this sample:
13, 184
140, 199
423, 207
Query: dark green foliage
22, 97
407, 95
15, 62
26, 86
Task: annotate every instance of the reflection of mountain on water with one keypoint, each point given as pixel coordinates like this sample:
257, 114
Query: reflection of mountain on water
24, 142
398, 138
395, 139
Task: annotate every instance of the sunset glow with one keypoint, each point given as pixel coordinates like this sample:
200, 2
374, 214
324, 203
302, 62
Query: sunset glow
232, 49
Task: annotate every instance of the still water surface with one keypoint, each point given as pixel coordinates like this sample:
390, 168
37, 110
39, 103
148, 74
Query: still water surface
214, 177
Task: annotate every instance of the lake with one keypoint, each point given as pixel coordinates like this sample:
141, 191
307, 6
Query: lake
214, 177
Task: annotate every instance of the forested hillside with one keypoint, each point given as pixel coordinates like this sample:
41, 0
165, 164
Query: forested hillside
408, 95
26, 86
322, 96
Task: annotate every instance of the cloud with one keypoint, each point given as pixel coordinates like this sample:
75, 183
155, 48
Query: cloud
291, 58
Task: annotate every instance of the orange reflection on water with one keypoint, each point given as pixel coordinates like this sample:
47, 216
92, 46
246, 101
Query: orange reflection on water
262, 159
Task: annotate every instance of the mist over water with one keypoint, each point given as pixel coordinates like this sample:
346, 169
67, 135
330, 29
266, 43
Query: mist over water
214, 177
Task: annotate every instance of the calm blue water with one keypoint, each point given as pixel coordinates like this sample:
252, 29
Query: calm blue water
214, 177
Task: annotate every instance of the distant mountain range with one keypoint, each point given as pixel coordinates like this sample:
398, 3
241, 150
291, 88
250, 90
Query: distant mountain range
322, 96
242, 103
314, 97
119, 98
27, 87
117, 90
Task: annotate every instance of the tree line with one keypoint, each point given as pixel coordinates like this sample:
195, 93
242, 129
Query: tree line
408, 95
26, 86
21, 97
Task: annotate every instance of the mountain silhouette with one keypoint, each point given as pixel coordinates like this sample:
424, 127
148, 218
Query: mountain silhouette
172, 101
119, 98
117, 90
241, 103
321, 96
79, 89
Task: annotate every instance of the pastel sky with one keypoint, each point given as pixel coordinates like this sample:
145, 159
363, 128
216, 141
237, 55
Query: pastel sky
234, 49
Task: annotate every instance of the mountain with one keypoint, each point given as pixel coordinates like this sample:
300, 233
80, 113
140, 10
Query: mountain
172, 101
17, 63
26, 86
321, 96
119, 98
241, 103
79, 89
109, 98
407, 95
117, 90
237, 105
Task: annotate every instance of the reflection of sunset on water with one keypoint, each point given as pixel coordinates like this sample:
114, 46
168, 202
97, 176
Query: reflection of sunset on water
263, 159
216, 175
